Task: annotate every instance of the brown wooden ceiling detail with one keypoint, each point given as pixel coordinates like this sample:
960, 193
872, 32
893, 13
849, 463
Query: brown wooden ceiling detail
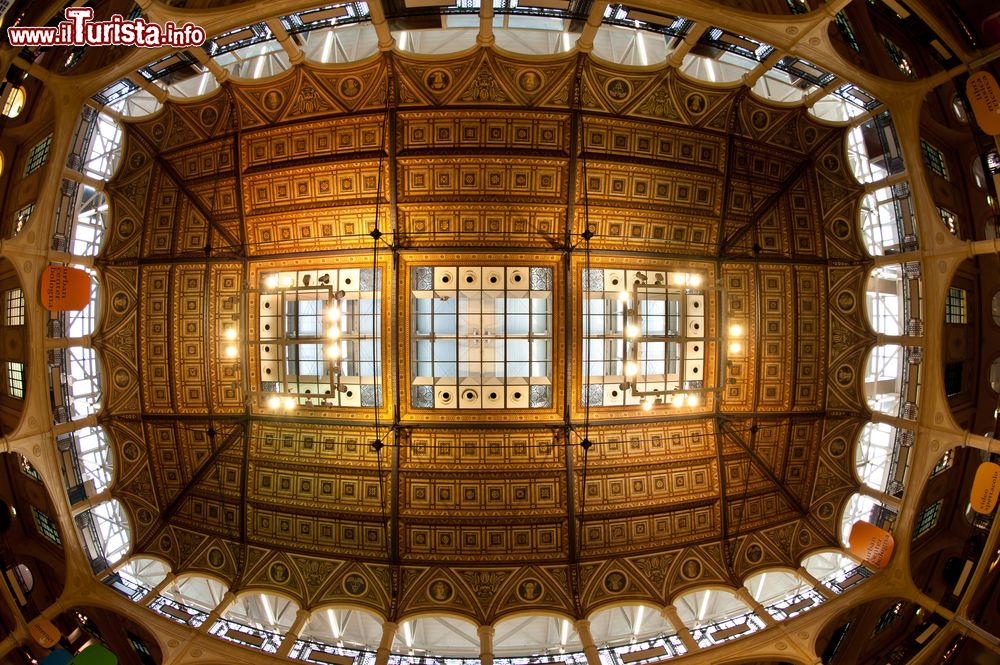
481, 155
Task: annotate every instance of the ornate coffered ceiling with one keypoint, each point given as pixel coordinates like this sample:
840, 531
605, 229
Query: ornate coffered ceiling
488, 160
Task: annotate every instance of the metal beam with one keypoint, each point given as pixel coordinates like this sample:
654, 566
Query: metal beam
182, 186
772, 201
237, 434
760, 464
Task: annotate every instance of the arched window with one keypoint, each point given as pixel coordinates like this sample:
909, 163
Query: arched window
715, 616
346, 43
439, 635
250, 52
94, 456
144, 572
978, 174
625, 623
883, 379
263, 611
82, 322
835, 108
14, 103
873, 454
825, 566
113, 529
84, 382
884, 300
460, 36
343, 627
859, 507
104, 148
958, 108
887, 221
629, 46
197, 592
90, 222
534, 633
772, 586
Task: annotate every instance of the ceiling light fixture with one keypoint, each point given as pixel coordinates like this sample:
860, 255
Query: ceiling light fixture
671, 312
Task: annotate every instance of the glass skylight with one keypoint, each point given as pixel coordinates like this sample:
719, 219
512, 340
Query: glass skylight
320, 338
646, 329
481, 337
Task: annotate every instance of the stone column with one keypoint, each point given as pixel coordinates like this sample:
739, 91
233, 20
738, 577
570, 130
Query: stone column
295, 54
214, 615
486, 644
670, 614
690, 39
389, 629
885, 499
585, 42
153, 593
820, 588
744, 594
589, 648
288, 641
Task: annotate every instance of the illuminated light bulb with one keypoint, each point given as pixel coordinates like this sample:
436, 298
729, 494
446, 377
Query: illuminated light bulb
273, 402
286, 281
695, 280
736, 330
231, 333
735, 347
647, 405
231, 351
678, 399
677, 279
289, 403
333, 333
624, 296
631, 368
271, 282
333, 352
693, 400
631, 331
333, 313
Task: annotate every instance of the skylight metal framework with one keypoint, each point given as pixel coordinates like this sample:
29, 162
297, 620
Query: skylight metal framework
646, 338
481, 337
320, 338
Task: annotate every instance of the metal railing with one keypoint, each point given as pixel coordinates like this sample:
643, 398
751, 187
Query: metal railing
847, 579
175, 611
248, 636
796, 605
131, 590
727, 629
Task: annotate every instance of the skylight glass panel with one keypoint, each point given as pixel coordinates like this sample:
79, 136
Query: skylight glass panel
320, 338
481, 337
644, 338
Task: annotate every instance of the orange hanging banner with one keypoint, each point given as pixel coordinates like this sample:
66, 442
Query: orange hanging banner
870, 543
984, 96
44, 632
65, 288
985, 488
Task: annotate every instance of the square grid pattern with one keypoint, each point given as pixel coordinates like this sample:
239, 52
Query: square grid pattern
481, 337
320, 336
664, 343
